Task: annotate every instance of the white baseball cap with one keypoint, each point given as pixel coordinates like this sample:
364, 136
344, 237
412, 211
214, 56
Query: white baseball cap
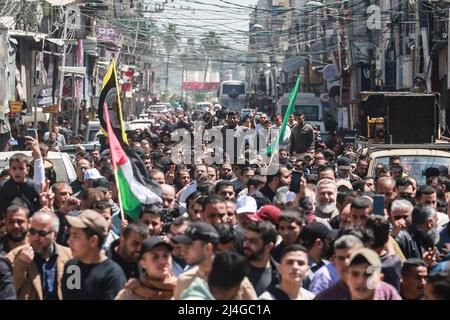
92, 174
246, 204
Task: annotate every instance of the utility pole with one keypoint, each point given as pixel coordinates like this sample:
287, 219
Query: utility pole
61, 79
167, 72
272, 54
370, 54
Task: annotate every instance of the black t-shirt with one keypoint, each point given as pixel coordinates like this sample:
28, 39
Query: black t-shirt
261, 279
101, 281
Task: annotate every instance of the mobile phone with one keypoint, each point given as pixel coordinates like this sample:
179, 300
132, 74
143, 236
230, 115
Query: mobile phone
295, 181
32, 133
13, 142
378, 205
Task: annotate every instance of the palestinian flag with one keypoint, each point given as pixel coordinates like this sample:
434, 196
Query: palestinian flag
132, 192
110, 96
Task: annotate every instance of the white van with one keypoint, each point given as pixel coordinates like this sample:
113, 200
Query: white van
309, 104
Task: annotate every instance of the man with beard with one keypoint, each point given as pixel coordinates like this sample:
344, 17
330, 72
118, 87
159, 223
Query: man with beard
414, 279
427, 195
226, 172
260, 238
232, 133
201, 240
280, 179
400, 216
200, 171
362, 168
63, 192
424, 233
302, 136
225, 189
126, 250
404, 189
326, 200
38, 266
17, 223
316, 237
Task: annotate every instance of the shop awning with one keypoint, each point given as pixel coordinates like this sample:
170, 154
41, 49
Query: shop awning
37, 36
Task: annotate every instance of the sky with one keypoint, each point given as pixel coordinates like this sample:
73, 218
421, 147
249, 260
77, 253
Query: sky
228, 18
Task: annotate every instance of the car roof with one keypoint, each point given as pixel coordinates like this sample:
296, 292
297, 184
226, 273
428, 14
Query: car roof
408, 152
51, 154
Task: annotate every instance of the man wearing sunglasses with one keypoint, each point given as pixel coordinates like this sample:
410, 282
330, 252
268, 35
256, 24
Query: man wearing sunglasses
38, 266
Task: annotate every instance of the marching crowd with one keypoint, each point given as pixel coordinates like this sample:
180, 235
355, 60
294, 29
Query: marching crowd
224, 231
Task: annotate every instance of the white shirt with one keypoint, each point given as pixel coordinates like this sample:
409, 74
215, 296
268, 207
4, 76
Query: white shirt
273, 133
303, 294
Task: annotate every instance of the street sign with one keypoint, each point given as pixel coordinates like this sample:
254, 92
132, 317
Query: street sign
53, 108
15, 106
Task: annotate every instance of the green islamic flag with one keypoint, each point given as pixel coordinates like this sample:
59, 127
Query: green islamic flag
289, 110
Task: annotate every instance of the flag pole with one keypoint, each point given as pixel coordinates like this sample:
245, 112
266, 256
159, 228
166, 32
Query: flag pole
116, 177
289, 110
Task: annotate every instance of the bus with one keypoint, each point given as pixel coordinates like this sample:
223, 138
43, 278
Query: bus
309, 104
232, 95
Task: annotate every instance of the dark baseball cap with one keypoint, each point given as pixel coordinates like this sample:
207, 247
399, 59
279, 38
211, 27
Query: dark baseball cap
89, 219
198, 231
153, 242
102, 184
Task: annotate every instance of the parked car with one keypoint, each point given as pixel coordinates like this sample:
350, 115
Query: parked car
158, 108
140, 124
62, 163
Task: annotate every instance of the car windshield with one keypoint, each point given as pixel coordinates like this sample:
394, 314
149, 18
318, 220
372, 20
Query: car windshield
158, 108
58, 166
415, 166
311, 112
93, 135
229, 88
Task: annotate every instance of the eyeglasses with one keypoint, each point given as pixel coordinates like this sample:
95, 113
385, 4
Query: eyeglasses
396, 218
216, 215
41, 233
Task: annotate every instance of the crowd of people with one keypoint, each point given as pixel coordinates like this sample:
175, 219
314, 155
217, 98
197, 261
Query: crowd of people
225, 230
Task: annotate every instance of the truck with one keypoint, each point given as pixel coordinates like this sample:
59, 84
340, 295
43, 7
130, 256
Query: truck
399, 117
